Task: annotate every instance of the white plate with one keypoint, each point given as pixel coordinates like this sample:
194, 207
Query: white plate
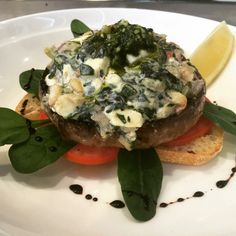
42, 204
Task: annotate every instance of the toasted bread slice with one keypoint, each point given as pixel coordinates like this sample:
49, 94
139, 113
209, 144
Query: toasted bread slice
29, 107
197, 152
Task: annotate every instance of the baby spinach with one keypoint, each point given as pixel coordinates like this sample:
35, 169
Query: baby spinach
29, 80
13, 127
224, 117
34, 146
43, 147
78, 28
140, 175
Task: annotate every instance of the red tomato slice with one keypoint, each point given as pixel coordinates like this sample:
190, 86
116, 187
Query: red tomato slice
43, 116
202, 127
88, 155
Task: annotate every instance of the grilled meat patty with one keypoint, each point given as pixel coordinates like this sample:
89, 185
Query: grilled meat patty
122, 86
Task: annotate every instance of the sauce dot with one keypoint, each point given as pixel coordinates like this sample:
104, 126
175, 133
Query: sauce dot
117, 204
221, 183
163, 205
198, 194
95, 199
180, 199
52, 149
38, 139
88, 197
76, 188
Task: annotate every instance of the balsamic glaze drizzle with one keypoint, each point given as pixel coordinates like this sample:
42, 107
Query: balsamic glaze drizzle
27, 85
78, 189
24, 104
88, 196
38, 139
223, 183
196, 194
117, 204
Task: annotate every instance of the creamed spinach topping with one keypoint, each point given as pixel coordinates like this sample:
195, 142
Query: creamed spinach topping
118, 78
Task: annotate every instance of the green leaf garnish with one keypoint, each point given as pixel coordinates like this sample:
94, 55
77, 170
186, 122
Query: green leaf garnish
224, 117
44, 147
13, 127
29, 80
140, 174
34, 146
78, 28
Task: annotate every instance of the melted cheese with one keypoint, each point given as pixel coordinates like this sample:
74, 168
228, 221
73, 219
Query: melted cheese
98, 64
66, 104
114, 80
131, 58
83, 37
131, 118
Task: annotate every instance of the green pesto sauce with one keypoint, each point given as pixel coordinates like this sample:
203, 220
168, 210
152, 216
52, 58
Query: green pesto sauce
118, 40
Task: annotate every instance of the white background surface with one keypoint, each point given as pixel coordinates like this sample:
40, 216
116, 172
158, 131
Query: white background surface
41, 203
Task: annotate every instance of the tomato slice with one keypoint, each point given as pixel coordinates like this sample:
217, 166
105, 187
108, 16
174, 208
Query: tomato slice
202, 127
43, 116
88, 155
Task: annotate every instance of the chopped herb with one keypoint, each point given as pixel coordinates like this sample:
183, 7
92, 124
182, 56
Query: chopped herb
122, 118
86, 69
128, 91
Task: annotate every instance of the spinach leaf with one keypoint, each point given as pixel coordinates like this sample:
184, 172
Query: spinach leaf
78, 28
140, 175
43, 147
86, 69
224, 117
13, 127
29, 80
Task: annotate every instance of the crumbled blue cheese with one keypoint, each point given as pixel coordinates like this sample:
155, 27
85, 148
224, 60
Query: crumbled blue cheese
66, 104
97, 84
126, 118
67, 74
131, 58
83, 37
98, 64
154, 85
129, 138
114, 80
164, 111
50, 82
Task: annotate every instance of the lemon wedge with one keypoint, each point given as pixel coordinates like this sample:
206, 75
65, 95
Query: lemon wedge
214, 52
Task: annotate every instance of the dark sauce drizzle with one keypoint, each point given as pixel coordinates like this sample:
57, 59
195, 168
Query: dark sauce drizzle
38, 139
196, 194
24, 104
88, 196
27, 85
52, 149
30, 128
117, 204
78, 189
223, 183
